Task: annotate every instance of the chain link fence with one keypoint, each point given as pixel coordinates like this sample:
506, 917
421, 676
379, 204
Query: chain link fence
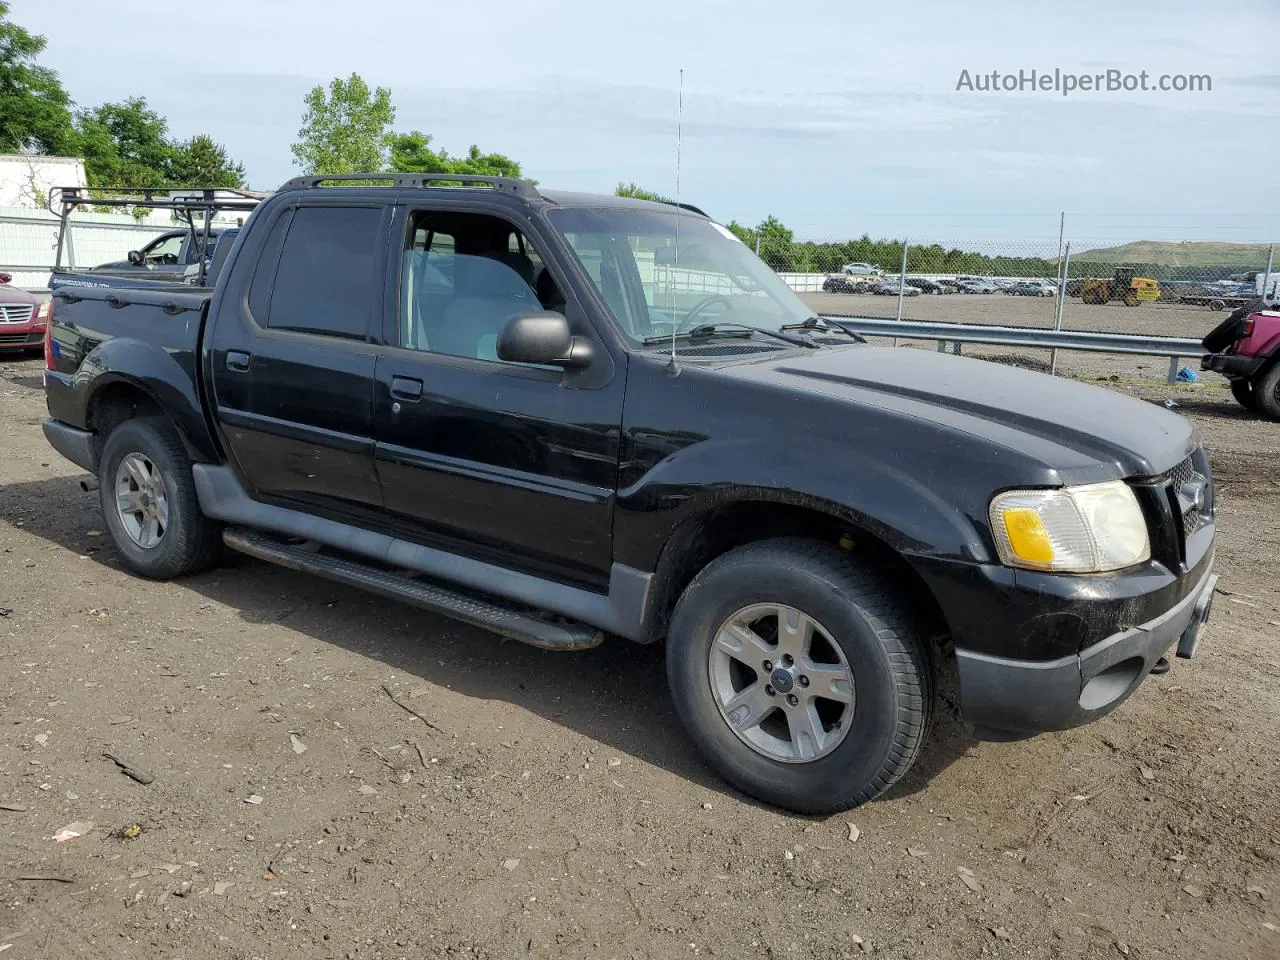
1174, 289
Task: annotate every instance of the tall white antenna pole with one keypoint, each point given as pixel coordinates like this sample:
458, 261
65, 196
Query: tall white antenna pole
675, 266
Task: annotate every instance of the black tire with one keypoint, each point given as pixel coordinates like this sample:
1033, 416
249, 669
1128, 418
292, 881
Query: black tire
1266, 391
1242, 390
865, 616
190, 542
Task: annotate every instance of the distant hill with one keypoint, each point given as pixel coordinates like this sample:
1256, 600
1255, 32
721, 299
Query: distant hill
1186, 254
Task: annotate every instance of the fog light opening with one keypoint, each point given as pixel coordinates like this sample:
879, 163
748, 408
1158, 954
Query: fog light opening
1112, 684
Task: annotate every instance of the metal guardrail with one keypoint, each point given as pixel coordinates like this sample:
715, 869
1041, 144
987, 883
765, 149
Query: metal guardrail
1174, 348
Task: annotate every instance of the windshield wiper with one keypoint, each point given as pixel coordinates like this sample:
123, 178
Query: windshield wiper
817, 324
724, 328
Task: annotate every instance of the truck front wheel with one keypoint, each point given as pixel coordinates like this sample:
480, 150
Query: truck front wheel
800, 676
149, 501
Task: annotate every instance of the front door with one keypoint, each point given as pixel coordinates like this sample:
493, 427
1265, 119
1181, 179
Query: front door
508, 463
292, 360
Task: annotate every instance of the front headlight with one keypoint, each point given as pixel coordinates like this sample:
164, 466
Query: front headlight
1088, 529
42, 311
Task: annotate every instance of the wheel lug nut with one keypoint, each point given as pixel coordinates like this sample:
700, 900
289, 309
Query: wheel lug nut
768, 688
804, 681
792, 699
768, 666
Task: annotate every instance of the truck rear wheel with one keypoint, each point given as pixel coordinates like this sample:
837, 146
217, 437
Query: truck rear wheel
1266, 391
149, 501
800, 677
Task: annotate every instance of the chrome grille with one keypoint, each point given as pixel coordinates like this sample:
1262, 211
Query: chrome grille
1184, 472
16, 312
1192, 494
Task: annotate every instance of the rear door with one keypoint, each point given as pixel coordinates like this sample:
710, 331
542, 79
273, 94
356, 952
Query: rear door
293, 354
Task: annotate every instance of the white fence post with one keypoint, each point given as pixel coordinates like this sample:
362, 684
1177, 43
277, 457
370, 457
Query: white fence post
1063, 270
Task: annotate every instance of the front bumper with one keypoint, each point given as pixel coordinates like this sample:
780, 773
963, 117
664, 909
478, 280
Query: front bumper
1230, 365
1007, 699
25, 338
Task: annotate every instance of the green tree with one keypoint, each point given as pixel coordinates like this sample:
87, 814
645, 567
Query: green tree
347, 130
745, 234
776, 245
35, 111
202, 162
640, 193
411, 153
125, 145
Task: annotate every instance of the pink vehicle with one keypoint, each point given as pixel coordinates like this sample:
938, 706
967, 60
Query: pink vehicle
1245, 348
23, 318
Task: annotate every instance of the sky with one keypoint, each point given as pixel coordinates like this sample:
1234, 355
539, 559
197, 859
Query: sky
839, 118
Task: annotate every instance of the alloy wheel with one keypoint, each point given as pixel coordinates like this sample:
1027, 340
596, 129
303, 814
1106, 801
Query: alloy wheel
782, 684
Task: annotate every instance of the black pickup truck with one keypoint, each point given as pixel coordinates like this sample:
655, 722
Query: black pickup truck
565, 417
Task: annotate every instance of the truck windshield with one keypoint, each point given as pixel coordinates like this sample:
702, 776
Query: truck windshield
651, 284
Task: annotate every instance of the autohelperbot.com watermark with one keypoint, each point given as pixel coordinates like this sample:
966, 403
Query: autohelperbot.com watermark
1065, 83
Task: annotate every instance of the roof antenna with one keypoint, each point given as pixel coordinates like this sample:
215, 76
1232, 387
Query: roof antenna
675, 265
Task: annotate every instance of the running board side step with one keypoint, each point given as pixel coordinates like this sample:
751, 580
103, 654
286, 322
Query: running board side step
527, 626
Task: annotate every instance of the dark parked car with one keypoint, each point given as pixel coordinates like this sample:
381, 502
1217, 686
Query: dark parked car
844, 284
22, 318
167, 257
474, 399
1031, 288
893, 286
928, 286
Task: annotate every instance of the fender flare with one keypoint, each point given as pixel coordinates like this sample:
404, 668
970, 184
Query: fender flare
871, 494
157, 375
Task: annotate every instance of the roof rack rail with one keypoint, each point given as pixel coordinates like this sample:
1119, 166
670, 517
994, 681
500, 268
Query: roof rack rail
690, 207
159, 198
521, 188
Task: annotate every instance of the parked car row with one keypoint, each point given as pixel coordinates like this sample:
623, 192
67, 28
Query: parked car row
888, 287
914, 286
1032, 288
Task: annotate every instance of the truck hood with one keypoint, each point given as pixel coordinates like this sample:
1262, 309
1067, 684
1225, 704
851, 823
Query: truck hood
1082, 433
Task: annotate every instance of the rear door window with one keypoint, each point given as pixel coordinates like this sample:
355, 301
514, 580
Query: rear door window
325, 283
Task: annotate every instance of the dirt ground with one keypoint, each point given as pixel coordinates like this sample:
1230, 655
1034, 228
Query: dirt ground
339, 776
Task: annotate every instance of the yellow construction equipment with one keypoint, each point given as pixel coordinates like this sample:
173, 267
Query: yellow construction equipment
1123, 286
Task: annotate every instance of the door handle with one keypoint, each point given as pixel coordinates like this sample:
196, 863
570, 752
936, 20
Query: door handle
238, 361
406, 388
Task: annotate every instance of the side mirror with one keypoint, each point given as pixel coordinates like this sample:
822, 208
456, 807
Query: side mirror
135, 257
6, 277
542, 338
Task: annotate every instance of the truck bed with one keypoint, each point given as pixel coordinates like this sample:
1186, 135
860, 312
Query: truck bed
158, 330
